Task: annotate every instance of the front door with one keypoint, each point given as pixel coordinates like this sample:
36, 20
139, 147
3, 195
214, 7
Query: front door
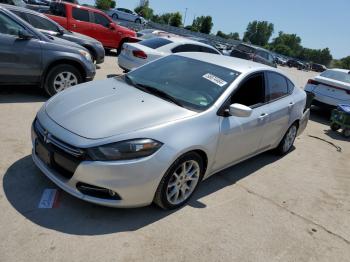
240, 137
104, 33
20, 59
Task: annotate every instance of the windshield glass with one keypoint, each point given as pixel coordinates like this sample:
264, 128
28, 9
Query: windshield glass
194, 84
337, 75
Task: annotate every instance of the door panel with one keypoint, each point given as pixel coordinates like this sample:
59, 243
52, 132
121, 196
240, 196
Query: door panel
240, 137
107, 36
81, 23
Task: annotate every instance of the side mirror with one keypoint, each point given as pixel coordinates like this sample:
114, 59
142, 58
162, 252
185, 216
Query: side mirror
24, 34
111, 26
240, 110
60, 31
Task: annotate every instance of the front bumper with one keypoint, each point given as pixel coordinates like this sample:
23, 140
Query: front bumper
100, 54
134, 181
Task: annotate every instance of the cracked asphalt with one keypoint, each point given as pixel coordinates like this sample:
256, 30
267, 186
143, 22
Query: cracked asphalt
295, 208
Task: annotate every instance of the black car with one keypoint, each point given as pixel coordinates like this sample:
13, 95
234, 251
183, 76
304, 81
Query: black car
296, 63
28, 57
49, 27
318, 67
254, 53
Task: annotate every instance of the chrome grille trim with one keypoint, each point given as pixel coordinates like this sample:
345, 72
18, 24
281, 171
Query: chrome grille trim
50, 139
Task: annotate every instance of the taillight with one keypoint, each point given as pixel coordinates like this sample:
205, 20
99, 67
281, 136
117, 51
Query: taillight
139, 54
312, 82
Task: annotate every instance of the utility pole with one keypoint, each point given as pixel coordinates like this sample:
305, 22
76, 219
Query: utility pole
185, 16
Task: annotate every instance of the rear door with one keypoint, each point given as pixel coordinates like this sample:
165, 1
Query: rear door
107, 35
81, 22
281, 105
20, 59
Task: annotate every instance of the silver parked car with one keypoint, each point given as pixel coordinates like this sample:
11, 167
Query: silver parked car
154, 134
126, 14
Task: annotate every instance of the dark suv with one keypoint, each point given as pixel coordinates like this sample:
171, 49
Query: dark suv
254, 53
28, 57
49, 27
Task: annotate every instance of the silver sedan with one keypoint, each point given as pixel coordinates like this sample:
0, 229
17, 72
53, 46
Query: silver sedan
154, 134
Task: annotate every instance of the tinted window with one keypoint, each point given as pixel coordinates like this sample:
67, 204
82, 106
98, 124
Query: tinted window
194, 84
8, 26
155, 42
21, 15
209, 50
277, 85
81, 15
245, 48
251, 93
187, 48
263, 54
101, 20
58, 9
42, 23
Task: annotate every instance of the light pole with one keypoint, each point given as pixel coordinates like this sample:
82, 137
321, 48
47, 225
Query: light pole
185, 16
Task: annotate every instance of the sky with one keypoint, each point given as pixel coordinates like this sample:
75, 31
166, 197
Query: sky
319, 23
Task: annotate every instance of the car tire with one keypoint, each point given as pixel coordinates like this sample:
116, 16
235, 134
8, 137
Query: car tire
61, 74
138, 21
115, 17
346, 132
180, 181
335, 127
288, 140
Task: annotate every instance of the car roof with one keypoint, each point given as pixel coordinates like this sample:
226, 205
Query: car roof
83, 7
233, 63
22, 9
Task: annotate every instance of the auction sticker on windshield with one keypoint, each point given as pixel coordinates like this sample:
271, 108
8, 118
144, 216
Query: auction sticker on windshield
216, 80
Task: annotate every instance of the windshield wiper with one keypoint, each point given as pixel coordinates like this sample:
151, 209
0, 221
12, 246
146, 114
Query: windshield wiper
153, 90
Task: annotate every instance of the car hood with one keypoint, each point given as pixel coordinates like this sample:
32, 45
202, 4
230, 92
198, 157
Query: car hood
66, 43
110, 107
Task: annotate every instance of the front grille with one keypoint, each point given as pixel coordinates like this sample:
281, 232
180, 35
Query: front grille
64, 158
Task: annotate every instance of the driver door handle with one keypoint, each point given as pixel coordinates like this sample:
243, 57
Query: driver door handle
263, 115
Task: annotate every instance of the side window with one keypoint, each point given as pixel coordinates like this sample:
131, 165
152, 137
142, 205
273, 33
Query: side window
80, 14
58, 9
271, 59
251, 93
277, 86
187, 48
42, 23
263, 54
209, 50
8, 26
101, 20
290, 87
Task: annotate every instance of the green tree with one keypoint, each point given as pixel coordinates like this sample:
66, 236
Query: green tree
175, 19
292, 41
342, 63
207, 25
113, 4
103, 4
144, 10
258, 32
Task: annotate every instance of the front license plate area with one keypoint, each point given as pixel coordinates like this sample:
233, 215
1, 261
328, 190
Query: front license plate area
43, 153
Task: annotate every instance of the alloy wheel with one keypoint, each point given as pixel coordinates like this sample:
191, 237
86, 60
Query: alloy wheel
64, 80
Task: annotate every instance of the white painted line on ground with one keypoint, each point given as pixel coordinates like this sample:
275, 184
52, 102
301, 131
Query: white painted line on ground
49, 198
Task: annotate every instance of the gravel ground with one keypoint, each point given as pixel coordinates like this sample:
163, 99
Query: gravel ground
294, 208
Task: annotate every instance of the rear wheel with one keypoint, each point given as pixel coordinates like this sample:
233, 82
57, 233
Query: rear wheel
61, 77
138, 21
346, 132
288, 140
335, 127
180, 181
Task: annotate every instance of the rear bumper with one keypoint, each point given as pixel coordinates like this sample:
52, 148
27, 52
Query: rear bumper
327, 100
128, 63
303, 121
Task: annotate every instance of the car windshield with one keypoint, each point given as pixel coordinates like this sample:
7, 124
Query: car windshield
19, 3
194, 84
337, 75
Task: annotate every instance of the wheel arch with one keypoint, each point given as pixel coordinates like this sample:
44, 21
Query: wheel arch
62, 62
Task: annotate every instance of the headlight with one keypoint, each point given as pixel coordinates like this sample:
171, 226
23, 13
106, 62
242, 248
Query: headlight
125, 150
85, 54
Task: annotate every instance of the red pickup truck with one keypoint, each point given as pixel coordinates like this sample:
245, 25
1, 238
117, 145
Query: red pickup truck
91, 22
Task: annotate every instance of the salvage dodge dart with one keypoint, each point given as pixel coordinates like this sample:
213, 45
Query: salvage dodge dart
154, 134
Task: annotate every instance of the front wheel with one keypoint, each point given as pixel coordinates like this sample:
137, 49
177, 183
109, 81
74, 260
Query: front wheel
288, 140
180, 181
335, 127
60, 78
115, 17
138, 21
346, 132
